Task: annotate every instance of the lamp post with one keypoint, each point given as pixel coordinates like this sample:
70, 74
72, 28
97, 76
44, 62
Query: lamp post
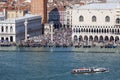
25, 23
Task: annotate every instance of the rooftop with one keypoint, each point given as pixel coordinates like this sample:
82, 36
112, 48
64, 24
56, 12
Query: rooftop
27, 16
98, 6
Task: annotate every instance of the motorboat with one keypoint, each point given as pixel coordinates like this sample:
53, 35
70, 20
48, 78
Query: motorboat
88, 70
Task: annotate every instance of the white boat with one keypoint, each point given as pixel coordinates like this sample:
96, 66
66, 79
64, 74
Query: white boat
88, 70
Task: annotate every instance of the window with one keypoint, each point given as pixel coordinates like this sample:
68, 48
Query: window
2, 39
2, 29
74, 30
94, 19
107, 19
77, 30
68, 20
6, 28
11, 38
7, 39
75, 38
11, 29
118, 20
81, 18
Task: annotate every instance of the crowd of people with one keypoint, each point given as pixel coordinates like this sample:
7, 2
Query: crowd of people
60, 37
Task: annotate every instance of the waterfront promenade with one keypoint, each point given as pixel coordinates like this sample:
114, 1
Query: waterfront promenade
60, 49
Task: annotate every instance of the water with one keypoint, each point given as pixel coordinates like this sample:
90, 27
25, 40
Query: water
33, 65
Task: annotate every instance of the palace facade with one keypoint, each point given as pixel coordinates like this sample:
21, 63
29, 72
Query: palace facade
95, 22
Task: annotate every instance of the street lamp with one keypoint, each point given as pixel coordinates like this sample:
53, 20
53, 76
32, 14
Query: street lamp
25, 23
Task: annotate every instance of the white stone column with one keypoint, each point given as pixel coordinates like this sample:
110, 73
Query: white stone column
25, 23
51, 30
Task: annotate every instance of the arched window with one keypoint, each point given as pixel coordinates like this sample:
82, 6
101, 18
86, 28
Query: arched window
86, 38
11, 29
11, 38
80, 38
74, 30
81, 29
7, 39
77, 30
86, 30
81, 18
75, 38
107, 19
94, 19
118, 20
6, 28
116, 38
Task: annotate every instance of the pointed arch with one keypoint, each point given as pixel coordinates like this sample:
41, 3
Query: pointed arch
101, 39
77, 30
107, 19
102, 30
80, 38
75, 38
81, 29
106, 38
89, 30
117, 38
110, 30
94, 19
81, 18
113, 31
99, 30
86, 30
107, 30
73, 29
94, 30
111, 38
85, 38
118, 20
91, 38
96, 38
